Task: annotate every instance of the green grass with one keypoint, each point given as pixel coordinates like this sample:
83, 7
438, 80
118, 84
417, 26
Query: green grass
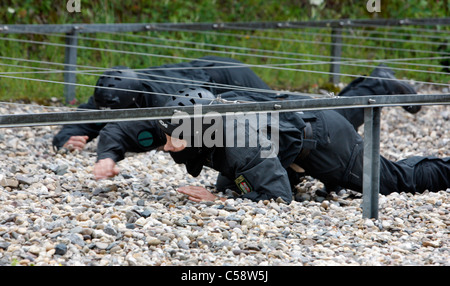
174, 11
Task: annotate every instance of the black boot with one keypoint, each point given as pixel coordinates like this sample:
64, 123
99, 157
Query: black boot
393, 86
381, 82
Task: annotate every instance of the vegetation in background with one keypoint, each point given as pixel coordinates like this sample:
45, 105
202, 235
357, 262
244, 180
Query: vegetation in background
249, 46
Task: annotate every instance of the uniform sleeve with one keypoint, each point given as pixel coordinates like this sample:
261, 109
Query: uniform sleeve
91, 129
131, 136
259, 178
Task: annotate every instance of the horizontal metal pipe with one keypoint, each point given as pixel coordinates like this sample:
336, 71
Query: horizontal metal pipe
115, 115
125, 27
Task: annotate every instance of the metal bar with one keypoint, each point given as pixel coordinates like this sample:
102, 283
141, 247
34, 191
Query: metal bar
336, 52
371, 162
57, 118
125, 27
70, 59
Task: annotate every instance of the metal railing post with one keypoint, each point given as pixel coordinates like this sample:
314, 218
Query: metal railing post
70, 59
371, 165
336, 51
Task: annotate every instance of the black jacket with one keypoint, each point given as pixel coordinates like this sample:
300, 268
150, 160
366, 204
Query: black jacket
256, 174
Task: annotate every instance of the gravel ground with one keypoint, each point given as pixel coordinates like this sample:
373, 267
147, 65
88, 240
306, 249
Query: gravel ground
52, 211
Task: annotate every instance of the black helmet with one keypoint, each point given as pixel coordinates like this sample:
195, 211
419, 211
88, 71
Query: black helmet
186, 97
116, 82
190, 96
192, 157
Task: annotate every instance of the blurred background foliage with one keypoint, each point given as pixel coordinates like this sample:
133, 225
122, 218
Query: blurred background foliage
301, 42
173, 11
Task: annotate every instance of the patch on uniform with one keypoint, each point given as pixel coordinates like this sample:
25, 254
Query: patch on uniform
145, 138
243, 185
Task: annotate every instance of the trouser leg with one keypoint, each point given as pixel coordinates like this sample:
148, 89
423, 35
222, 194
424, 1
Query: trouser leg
382, 83
411, 175
338, 161
354, 115
232, 75
336, 140
415, 174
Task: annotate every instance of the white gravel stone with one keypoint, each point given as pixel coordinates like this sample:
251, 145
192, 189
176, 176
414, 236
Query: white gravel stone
50, 199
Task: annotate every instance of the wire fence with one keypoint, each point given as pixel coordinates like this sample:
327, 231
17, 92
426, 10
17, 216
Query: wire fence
273, 49
343, 50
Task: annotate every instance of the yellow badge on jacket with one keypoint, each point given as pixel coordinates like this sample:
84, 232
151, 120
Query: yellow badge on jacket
243, 185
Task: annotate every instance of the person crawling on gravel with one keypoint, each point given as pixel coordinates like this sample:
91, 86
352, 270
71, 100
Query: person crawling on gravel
321, 144
141, 136
122, 87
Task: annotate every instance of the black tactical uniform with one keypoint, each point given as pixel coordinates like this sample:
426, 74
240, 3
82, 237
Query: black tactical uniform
324, 144
141, 136
118, 138
215, 73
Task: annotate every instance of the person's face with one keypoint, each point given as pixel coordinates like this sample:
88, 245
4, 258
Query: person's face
174, 144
